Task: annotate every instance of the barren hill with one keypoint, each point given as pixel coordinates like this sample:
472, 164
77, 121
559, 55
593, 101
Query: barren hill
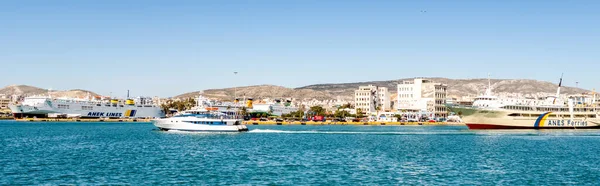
260, 91
456, 88
25, 90
459, 87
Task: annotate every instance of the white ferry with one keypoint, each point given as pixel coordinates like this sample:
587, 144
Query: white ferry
45, 106
552, 114
202, 121
204, 118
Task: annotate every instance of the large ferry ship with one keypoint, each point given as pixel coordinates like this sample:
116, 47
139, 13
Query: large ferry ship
552, 113
98, 107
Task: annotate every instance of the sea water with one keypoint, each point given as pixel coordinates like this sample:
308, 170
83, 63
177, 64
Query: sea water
137, 154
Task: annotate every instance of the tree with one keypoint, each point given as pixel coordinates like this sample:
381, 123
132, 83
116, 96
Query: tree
398, 117
166, 108
318, 110
180, 106
342, 114
359, 113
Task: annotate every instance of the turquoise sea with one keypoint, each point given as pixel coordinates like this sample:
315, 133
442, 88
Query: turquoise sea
137, 154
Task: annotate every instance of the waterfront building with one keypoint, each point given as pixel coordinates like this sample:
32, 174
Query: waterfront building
4, 101
370, 98
419, 95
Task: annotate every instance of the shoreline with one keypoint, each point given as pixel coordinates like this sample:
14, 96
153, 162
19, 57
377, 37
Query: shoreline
375, 123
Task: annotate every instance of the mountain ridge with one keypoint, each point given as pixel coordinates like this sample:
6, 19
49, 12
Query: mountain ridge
457, 88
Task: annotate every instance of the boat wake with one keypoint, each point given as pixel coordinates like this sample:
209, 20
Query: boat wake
196, 132
354, 132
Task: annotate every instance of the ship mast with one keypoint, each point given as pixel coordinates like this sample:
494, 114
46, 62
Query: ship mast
488, 92
558, 90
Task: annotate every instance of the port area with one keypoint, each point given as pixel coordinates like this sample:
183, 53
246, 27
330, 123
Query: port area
347, 123
82, 120
245, 122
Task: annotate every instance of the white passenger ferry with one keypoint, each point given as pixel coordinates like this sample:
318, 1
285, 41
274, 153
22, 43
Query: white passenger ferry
98, 107
204, 118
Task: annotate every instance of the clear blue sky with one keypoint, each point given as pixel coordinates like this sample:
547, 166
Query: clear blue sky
165, 48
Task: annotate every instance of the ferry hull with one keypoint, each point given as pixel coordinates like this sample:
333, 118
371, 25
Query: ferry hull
476, 126
168, 124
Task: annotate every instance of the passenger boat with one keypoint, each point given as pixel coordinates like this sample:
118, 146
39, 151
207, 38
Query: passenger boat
202, 121
204, 118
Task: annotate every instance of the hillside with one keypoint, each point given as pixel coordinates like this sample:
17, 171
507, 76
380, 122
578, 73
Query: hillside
456, 88
25, 90
459, 87
260, 91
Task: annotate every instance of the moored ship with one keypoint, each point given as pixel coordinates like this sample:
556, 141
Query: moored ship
553, 113
532, 117
98, 107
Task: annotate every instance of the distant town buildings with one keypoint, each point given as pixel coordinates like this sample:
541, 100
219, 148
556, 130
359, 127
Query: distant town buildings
419, 95
371, 98
4, 101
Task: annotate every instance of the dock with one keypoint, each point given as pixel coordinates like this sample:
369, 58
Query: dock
347, 123
81, 120
131, 120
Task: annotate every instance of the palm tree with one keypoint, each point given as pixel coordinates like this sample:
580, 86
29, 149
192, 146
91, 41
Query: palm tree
166, 108
180, 106
244, 111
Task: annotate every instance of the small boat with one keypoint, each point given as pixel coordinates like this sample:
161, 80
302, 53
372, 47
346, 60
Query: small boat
201, 121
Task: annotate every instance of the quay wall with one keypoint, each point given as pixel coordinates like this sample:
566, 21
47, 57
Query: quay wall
245, 122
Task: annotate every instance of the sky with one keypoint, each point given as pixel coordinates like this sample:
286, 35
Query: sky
165, 48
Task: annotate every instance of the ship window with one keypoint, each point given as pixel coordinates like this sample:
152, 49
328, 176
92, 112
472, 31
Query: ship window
514, 114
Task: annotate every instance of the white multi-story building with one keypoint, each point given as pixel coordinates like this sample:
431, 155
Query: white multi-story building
370, 98
385, 103
422, 95
4, 101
